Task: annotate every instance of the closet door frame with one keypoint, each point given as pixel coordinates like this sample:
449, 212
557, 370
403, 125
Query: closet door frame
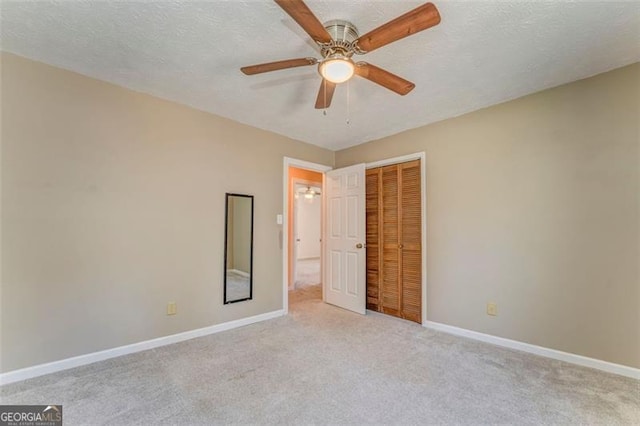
423, 212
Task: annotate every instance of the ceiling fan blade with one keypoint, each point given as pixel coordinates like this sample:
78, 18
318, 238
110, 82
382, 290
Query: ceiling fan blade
416, 20
306, 19
384, 78
278, 65
325, 94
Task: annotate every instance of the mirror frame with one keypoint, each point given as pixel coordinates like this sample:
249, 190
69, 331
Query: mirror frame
226, 236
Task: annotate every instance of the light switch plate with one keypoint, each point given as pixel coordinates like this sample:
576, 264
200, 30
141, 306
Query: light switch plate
172, 308
279, 219
492, 309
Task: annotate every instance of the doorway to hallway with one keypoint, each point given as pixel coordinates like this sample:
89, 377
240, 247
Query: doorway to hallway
304, 194
307, 219
342, 255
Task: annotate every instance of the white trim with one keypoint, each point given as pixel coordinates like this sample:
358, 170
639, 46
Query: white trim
423, 199
396, 160
239, 272
301, 164
77, 361
584, 361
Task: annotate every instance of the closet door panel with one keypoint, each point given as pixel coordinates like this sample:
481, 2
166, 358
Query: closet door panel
411, 237
390, 288
373, 295
390, 300
411, 286
389, 191
394, 238
373, 236
410, 205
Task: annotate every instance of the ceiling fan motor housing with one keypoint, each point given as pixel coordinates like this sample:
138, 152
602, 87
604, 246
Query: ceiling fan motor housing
344, 33
341, 30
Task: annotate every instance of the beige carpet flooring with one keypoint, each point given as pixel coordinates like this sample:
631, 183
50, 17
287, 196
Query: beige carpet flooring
324, 365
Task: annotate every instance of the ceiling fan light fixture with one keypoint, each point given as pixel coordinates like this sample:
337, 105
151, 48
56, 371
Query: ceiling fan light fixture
337, 68
309, 193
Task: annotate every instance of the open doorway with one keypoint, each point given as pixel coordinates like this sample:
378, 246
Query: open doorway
302, 230
304, 236
307, 242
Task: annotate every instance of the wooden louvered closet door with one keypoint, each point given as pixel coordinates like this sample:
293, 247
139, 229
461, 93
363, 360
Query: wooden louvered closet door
394, 237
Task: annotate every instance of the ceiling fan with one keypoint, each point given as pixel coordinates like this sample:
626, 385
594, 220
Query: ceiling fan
339, 40
308, 192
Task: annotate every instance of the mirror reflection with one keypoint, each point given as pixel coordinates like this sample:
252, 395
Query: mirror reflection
238, 278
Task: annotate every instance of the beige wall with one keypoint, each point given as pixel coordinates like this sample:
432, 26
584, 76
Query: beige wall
534, 204
113, 205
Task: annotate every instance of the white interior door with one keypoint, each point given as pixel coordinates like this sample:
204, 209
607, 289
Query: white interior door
345, 256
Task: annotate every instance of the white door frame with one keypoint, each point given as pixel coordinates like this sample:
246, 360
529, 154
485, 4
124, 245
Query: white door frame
301, 164
423, 208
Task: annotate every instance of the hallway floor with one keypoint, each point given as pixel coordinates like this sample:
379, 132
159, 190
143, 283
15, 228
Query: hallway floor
307, 272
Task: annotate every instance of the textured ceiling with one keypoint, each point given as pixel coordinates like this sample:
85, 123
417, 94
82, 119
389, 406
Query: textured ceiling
482, 53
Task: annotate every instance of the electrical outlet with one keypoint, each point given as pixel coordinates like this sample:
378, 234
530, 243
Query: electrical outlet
492, 309
172, 308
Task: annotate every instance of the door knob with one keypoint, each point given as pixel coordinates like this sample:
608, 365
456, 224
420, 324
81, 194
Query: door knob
359, 245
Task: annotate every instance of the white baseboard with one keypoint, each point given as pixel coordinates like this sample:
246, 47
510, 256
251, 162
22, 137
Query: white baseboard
584, 361
239, 272
77, 361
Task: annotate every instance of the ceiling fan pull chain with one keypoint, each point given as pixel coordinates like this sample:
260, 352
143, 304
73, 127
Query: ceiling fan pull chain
324, 111
324, 89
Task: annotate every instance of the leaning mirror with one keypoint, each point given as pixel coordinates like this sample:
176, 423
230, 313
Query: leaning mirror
238, 253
